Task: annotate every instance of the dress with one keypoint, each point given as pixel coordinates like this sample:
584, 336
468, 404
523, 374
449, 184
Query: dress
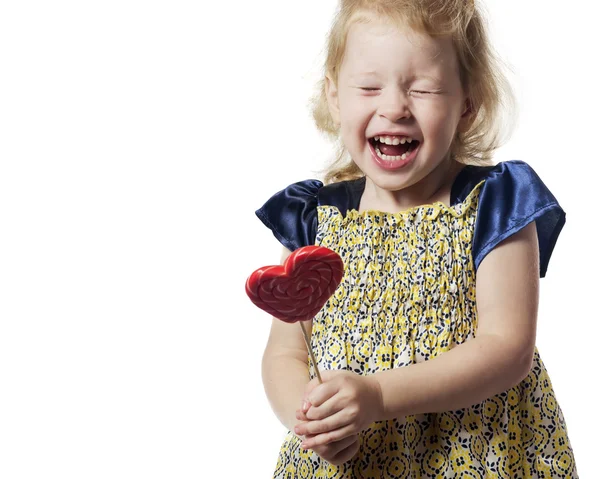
407, 295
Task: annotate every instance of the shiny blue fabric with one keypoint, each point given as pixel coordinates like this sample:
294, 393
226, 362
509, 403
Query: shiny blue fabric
512, 196
291, 214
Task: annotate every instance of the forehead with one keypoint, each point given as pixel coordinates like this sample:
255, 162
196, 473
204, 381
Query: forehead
381, 47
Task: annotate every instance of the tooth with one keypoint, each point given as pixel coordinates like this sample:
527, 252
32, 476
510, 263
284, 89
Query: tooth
409, 139
376, 138
404, 156
403, 140
396, 141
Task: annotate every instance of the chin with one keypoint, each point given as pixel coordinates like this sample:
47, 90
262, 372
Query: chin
392, 180
391, 183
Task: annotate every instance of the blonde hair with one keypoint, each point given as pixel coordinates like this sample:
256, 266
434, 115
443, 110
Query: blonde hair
481, 73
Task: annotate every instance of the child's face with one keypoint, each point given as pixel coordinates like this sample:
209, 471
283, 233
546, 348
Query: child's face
397, 82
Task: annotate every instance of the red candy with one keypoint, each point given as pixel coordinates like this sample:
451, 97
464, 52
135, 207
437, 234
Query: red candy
297, 290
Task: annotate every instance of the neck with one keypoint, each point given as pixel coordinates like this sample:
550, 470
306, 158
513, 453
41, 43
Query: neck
436, 186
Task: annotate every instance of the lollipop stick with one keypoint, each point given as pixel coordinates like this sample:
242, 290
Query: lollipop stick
307, 341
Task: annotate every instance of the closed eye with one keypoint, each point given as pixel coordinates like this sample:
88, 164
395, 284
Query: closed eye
369, 89
423, 92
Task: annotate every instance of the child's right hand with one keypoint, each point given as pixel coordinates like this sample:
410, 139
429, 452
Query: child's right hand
336, 453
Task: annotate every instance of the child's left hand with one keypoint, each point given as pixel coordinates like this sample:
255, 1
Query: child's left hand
345, 404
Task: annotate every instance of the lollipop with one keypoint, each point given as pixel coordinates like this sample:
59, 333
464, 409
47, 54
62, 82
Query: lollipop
297, 290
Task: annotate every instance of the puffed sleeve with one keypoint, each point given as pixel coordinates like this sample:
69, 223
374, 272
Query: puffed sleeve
291, 214
513, 196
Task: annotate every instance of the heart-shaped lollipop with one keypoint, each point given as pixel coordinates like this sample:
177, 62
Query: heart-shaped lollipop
298, 289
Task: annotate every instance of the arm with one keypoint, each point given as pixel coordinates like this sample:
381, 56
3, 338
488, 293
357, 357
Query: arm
285, 367
496, 359
500, 355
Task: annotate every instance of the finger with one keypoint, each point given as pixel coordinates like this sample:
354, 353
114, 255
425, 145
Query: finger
321, 393
321, 426
348, 452
315, 427
296, 428
309, 388
328, 408
330, 451
328, 437
301, 416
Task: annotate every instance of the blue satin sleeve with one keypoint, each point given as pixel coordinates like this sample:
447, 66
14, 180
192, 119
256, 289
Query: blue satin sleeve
513, 196
291, 214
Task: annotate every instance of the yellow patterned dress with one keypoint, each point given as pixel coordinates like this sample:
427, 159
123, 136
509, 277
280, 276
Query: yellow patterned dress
408, 295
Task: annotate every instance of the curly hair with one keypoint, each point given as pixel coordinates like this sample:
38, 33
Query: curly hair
487, 88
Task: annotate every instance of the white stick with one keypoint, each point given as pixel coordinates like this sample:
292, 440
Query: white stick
307, 341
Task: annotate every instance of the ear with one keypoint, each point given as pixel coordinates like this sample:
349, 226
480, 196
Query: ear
467, 117
331, 92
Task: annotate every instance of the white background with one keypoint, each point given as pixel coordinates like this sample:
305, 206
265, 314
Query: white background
136, 141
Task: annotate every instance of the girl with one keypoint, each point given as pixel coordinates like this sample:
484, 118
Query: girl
427, 347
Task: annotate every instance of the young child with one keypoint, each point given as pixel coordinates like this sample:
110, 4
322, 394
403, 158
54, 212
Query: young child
427, 347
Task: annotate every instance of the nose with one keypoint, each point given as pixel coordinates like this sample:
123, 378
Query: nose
394, 105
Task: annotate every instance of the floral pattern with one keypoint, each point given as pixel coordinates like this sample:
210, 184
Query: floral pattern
407, 296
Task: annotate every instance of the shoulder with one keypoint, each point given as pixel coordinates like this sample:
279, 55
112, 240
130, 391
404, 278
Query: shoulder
513, 196
291, 213
503, 174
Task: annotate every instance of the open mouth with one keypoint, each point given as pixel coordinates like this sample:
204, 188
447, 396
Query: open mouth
393, 148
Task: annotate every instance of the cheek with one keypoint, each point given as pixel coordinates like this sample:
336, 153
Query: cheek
355, 120
439, 122
354, 107
349, 135
352, 113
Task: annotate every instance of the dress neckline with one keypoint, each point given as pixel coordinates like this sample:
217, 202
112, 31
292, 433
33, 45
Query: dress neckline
356, 188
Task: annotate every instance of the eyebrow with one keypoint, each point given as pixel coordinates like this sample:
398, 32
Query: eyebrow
429, 77
368, 73
417, 77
